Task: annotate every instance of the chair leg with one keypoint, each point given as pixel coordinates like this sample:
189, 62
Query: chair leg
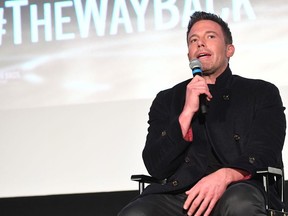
141, 187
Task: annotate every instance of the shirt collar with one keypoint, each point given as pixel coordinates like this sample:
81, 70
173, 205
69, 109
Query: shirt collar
223, 80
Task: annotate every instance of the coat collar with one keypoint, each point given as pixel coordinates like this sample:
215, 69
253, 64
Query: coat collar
222, 81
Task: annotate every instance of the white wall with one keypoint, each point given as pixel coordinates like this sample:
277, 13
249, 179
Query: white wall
72, 149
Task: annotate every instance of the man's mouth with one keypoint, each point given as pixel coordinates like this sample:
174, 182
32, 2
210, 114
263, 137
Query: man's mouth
201, 55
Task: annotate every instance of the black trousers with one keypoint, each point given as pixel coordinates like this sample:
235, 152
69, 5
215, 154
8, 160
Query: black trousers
239, 199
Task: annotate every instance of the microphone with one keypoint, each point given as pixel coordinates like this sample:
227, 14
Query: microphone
196, 66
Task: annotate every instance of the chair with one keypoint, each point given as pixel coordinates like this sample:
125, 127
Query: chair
266, 174
278, 176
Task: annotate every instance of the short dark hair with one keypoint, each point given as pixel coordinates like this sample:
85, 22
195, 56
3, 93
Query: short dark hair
201, 15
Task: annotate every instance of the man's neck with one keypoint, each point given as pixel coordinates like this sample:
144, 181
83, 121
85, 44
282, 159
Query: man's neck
211, 78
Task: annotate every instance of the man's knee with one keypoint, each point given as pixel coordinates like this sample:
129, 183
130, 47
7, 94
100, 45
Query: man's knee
139, 207
241, 199
131, 210
155, 204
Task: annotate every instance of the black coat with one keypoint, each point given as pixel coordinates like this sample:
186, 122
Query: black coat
245, 125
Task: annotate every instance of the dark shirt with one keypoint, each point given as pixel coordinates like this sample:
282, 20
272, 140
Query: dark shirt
213, 161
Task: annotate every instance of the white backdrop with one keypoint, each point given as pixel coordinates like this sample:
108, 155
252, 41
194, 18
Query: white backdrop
77, 79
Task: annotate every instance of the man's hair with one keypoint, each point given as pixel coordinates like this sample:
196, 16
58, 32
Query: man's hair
201, 15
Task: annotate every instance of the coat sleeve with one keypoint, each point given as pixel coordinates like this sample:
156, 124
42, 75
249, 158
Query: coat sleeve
266, 136
165, 147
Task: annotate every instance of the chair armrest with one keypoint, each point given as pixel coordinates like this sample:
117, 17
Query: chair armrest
145, 179
271, 170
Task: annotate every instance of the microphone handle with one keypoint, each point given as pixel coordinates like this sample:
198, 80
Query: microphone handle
202, 98
203, 106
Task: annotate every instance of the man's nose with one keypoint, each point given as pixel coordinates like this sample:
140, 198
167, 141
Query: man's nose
201, 43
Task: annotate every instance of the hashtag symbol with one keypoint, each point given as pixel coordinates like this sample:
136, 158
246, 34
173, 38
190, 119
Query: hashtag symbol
3, 21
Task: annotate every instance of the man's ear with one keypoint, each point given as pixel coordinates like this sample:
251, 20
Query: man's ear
230, 50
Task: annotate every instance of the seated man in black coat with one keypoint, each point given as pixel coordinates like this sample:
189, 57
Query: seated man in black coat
210, 160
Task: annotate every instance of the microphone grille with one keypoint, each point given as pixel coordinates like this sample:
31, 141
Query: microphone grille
195, 63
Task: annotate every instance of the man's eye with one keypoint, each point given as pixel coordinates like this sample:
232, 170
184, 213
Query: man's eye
211, 36
193, 40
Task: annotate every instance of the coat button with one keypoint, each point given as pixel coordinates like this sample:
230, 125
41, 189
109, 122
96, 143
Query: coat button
226, 97
252, 160
163, 133
236, 137
187, 159
175, 183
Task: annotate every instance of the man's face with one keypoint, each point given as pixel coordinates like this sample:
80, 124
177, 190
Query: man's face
206, 42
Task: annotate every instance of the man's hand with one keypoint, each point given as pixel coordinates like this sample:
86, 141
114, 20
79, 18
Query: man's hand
196, 87
204, 195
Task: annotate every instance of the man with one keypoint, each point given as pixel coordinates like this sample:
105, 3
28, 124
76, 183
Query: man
210, 160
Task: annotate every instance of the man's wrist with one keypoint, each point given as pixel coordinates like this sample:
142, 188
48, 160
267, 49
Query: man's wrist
234, 175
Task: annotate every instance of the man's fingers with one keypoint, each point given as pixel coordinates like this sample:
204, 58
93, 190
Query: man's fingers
202, 207
195, 205
211, 205
189, 199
